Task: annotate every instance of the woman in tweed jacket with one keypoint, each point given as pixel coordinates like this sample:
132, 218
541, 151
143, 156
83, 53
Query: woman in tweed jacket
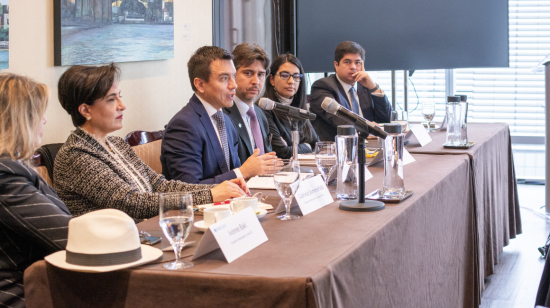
94, 171
33, 221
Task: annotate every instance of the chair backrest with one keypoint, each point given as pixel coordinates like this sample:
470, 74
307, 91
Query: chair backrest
41, 169
139, 137
147, 147
48, 152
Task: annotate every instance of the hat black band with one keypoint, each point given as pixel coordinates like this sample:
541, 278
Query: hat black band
103, 259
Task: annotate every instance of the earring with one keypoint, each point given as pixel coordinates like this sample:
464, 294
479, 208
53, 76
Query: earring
88, 118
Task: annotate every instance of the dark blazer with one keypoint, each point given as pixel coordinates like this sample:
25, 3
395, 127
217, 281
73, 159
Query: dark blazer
33, 224
374, 108
279, 127
191, 151
245, 145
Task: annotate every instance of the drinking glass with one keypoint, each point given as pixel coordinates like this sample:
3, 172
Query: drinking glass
175, 219
287, 181
428, 112
325, 158
401, 117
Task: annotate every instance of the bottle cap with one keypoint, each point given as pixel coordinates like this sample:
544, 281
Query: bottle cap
463, 98
345, 130
393, 128
453, 99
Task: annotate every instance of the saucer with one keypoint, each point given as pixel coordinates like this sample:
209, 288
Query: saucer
201, 226
261, 213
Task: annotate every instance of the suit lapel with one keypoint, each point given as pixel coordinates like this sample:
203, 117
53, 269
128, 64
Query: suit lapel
240, 127
342, 93
364, 99
210, 133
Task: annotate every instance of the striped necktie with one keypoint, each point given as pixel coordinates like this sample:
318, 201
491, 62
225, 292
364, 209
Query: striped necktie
354, 102
218, 116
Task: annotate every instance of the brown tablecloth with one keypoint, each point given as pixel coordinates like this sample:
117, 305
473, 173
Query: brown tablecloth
496, 199
418, 253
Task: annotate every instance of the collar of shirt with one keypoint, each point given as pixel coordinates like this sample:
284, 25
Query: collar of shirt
209, 108
346, 86
242, 106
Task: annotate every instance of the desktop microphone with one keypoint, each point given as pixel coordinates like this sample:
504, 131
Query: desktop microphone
293, 112
361, 124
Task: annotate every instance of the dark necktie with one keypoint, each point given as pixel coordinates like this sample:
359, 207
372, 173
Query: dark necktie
218, 116
256, 132
354, 102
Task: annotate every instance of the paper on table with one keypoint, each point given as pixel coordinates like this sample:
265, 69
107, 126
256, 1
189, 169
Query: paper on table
267, 182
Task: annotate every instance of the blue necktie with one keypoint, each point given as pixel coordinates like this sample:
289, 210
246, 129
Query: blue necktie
218, 116
354, 102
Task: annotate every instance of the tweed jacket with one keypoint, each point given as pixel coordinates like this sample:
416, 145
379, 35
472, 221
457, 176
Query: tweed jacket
33, 224
88, 177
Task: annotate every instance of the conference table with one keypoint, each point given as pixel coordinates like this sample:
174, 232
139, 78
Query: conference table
494, 183
422, 252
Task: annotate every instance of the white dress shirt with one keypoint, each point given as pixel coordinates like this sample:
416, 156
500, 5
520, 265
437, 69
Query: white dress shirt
347, 86
243, 109
211, 111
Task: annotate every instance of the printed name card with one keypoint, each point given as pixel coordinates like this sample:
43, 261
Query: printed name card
421, 134
312, 195
235, 236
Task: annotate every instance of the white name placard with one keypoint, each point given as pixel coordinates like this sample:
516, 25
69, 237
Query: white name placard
407, 159
235, 236
421, 134
312, 195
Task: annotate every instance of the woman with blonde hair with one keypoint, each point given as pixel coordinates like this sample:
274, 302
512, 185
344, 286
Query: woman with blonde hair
94, 170
33, 220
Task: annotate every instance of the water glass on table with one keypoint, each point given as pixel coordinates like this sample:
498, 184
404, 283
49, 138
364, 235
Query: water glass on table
428, 112
287, 181
401, 117
325, 158
175, 219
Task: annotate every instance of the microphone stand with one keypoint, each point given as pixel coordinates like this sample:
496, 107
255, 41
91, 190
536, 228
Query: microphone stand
361, 205
293, 117
295, 138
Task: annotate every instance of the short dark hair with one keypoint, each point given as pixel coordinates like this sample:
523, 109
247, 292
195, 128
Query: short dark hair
199, 64
348, 47
246, 53
85, 85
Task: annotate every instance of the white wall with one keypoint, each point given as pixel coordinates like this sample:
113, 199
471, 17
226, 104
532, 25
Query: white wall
153, 91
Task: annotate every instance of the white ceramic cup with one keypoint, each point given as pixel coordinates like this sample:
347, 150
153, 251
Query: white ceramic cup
214, 214
241, 203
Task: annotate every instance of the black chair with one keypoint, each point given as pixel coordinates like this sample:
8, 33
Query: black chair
45, 156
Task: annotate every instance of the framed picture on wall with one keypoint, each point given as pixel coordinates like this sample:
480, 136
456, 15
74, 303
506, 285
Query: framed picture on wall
4, 34
104, 31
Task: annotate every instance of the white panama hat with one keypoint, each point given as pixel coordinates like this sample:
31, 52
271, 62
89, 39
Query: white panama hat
103, 241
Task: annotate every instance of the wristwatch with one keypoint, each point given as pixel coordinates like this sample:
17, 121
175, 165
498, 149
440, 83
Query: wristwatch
375, 88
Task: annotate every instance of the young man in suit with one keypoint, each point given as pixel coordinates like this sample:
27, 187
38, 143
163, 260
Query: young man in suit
200, 144
249, 121
352, 88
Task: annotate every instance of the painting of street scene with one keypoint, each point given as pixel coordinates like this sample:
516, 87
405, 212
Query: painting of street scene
4, 34
104, 31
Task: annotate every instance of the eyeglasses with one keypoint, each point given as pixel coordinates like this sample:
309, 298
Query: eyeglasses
286, 75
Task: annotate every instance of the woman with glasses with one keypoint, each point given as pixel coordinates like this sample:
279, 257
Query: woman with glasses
286, 85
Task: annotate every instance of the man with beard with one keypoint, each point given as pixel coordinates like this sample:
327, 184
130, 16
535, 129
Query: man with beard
252, 63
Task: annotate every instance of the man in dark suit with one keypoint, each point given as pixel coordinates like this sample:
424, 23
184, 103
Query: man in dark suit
352, 88
200, 144
249, 121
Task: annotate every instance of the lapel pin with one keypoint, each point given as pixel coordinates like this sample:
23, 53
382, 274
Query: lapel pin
240, 125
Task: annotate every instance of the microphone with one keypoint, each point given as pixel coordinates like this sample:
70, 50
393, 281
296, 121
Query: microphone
361, 124
293, 112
